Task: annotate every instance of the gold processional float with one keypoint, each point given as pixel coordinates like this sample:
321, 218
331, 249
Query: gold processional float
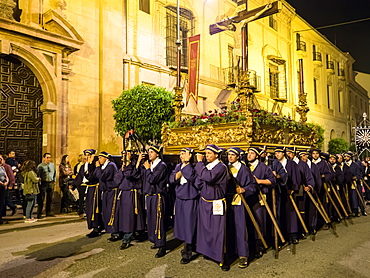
242, 134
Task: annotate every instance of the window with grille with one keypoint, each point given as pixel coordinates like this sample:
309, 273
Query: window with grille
315, 90
274, 80
277, 79
328, 93
339, 101
144, 5
272, 22
186, 30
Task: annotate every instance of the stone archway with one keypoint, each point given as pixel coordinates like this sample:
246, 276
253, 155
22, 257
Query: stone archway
21, 120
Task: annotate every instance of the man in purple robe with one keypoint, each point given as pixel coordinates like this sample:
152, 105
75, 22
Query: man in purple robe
326, 176
355, 171
154, 175
105, 172
344, 181
212, 182
186, 203
130, 214
265, 180
242, 183
288, 216
307, 183
310, 209
93, 203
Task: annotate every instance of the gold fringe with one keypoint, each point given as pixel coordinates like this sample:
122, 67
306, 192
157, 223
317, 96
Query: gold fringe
159, 216
111, 221
95, 201
135, 202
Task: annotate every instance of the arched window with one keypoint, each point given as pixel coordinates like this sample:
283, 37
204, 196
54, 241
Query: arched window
332, 134
186, 30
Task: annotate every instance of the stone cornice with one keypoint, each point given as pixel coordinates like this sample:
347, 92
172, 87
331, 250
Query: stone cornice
28, 32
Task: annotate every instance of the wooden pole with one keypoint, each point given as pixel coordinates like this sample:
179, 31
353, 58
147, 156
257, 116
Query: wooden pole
339, 200
318, 207
332, 201
272, 216
298, 214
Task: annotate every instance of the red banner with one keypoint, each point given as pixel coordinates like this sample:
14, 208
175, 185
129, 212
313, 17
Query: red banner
194, 53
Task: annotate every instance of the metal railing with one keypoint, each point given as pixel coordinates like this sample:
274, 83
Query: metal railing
330, 65
301, 45
230, 78
317, 56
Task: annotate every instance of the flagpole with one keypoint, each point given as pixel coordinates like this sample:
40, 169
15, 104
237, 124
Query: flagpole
178, 104
178, 44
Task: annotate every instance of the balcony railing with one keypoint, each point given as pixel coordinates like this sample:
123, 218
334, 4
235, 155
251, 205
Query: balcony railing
317, 56
330, 65
301, 45
230, 78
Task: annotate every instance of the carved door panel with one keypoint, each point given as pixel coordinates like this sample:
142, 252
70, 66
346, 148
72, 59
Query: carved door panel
20, 115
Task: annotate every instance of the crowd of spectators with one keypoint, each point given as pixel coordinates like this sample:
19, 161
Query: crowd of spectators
31, 186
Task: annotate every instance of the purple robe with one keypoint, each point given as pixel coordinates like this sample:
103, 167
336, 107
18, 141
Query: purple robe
130, 214
304, 203
93, 203
244, 179
211, 228
288, 216
263, 172
186, 204
154, 185
109, 196
356, 176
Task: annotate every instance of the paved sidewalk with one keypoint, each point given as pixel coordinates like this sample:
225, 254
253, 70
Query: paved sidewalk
16, 222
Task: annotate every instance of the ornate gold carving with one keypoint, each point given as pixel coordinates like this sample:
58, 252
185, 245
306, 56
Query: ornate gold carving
200, 136
229, 134
178, 104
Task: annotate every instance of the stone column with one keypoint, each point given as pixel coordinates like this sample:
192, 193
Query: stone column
64, 106
31, 12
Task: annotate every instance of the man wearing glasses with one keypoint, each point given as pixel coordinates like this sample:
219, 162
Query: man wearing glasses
46, 171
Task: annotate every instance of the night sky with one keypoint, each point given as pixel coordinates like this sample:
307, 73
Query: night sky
353, 38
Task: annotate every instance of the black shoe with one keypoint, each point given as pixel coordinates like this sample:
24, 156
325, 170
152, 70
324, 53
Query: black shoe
14, 210
243, 263
184, 261
293, 239
114, 238
93, 234
125, 245
161, 252
225, 267
364, 213
39, 216
258, 254
357, 214
154, 247
50, 214
313, 231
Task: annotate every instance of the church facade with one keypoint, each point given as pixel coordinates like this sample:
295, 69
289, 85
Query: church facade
63, 61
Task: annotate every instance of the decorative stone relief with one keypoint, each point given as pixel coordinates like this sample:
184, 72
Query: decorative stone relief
6, 9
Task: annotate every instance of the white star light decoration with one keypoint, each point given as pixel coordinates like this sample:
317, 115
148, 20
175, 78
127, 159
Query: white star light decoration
363, 138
